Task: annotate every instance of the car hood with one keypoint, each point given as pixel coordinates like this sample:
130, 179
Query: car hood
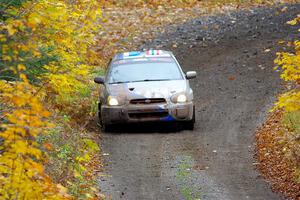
151, 89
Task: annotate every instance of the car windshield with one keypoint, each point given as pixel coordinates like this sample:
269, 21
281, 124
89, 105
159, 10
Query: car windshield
159, 70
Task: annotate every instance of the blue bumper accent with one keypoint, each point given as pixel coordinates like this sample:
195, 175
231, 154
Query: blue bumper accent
168, 118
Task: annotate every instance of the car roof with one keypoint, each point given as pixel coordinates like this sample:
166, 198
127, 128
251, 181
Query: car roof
142, 54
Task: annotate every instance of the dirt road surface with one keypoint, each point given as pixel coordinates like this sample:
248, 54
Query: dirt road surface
233, 54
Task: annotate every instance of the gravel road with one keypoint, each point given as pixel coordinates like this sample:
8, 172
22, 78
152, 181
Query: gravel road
233, 54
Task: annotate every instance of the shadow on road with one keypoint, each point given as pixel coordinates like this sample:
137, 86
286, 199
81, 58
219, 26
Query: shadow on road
141, 128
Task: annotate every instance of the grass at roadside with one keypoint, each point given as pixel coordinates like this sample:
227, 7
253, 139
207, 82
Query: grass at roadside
292, 121
73, 158
183, 176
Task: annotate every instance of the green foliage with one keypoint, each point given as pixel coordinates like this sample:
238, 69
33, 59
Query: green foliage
189, 194
70, 158
84, 92
184, 169
91, 145
14, 3
99, 72
35, 66
183, 175
13, 50
292, 121
5, 12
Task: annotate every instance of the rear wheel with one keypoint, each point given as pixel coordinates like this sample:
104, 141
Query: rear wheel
189, 125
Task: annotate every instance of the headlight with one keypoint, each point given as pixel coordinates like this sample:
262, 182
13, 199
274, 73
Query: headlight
112, 101
181, 98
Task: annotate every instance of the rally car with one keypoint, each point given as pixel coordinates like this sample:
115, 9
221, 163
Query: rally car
146, 86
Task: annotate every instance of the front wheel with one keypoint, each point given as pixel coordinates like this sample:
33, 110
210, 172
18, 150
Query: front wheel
104, 127
189, 125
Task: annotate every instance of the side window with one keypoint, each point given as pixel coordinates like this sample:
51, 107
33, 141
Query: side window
179, 66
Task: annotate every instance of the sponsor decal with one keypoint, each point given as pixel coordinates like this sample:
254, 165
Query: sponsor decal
131, 54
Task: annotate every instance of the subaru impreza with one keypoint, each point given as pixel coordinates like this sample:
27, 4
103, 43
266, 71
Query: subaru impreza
145, 86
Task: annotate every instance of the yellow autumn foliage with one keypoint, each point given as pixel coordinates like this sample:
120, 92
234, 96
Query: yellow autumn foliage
65, 29
46, 55
290, 65
22, 173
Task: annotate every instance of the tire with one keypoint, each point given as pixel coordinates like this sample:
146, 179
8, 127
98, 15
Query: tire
99, 115
106, 128
189, 125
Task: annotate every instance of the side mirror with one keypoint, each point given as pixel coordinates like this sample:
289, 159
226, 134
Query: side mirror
99, 80
191, 74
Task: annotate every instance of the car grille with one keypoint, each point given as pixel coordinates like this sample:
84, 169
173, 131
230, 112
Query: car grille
148, 101
148, 115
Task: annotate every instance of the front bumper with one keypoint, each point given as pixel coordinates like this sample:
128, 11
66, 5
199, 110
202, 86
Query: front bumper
146, 113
